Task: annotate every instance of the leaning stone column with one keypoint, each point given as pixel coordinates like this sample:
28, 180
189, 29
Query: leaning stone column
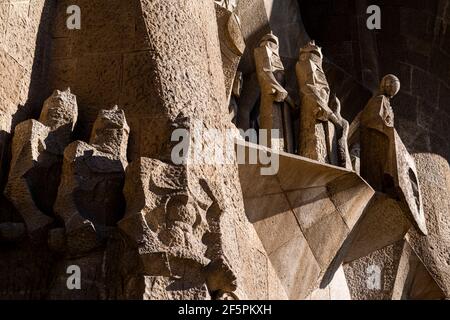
187, 222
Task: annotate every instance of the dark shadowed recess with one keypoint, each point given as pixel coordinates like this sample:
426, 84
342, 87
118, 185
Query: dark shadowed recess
413, 43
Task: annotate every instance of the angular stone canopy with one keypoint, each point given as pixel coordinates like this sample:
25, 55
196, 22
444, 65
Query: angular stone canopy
302, 214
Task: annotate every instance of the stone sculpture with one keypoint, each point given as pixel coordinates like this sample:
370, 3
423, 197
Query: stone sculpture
377, 126
385, 162
270, 72
200, 231
37, 150
320, 125
174, 224
90, 193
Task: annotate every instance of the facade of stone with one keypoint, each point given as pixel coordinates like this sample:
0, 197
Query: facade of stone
358, 207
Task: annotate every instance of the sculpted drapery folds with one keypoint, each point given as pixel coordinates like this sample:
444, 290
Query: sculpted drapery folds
227, 4
385, 162
315, 113
323, 131
377, 145
270, 72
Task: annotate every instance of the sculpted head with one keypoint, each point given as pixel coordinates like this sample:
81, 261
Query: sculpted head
270, 40
109, 122
60, 110
390, 86
110, 132
311, 50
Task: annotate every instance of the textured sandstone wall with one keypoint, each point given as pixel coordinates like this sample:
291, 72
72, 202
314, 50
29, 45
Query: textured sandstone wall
185, 51
159, 61
24, 40
358, 274
24, 53
107, 62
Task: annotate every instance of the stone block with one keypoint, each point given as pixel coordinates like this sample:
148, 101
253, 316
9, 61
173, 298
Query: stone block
325, 236
11, 77
350, 198
279, 227
383, 224
296, 267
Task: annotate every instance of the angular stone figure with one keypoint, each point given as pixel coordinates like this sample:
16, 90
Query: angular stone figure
377, 128
270, 72
385, 162
318, 122
37, 150
90, 193
174, 224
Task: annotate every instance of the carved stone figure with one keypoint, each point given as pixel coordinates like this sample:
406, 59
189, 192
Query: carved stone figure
175, 225
90, 192
377, 146
270, 72
318, 122
385, 162
37, 150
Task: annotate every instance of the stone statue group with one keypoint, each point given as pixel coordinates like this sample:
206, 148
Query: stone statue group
323, 133
51, 175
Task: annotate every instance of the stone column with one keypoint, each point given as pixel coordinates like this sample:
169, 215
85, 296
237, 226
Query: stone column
186, 65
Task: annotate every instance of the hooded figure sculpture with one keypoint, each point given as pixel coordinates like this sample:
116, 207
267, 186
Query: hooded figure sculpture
385, 163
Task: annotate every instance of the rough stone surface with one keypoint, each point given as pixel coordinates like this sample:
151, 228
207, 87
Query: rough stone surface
384, 224
372, 277
85, 186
